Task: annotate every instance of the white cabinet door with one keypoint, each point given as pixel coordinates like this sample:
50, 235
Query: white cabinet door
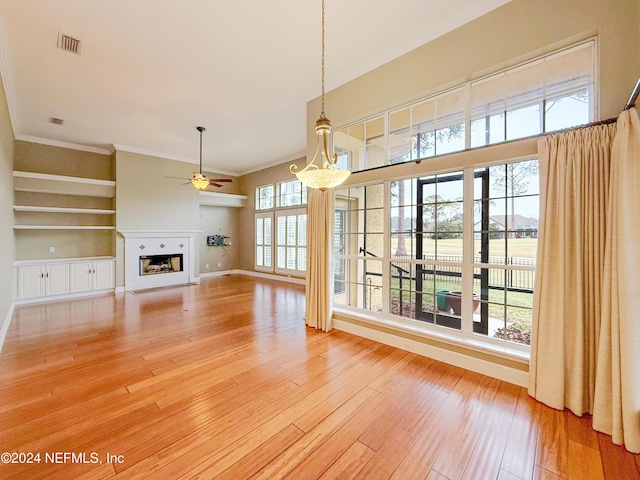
81, 276
31, 281
57, 279
103, 275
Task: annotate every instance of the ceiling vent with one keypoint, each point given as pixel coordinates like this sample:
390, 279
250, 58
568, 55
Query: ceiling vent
56, 121
68, 43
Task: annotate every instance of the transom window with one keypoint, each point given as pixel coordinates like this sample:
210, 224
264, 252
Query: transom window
548, 94
291, 193
264, 197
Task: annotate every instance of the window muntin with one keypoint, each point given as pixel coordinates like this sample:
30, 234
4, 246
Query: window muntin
291, 193
265, 197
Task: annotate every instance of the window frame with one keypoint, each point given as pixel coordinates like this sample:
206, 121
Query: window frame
466, 334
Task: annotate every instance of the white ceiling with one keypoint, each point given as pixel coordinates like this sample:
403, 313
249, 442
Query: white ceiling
150, 71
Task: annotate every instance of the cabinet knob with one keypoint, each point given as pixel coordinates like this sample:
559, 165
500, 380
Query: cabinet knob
42, 275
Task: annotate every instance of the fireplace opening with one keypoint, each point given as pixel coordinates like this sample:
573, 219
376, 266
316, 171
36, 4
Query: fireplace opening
156, 264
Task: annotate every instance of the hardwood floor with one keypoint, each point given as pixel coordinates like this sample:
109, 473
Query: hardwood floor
223, 380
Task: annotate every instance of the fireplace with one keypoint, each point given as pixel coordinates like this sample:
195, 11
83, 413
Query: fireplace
159, 264
159, 258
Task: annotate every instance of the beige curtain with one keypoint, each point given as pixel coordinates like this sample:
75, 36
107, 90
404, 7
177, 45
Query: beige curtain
585, 350
320, 206
574, 182
617, 389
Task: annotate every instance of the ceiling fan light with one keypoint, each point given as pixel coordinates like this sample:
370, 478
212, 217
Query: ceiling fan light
200, 184
200, 181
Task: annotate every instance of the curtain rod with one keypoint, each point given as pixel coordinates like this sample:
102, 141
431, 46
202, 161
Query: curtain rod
634, 96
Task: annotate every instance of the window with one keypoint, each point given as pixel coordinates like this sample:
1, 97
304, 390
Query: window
362, 249
291, 193
506, 206
291, 241
432, 127
549, 94
284, 226
414, 265
264, 197
544, 95
264, 241
361, 146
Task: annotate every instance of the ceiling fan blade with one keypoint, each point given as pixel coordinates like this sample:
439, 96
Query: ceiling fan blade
179, 178
221, 180
214, 184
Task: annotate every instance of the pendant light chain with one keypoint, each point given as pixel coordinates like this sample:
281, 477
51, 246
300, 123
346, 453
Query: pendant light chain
322, 115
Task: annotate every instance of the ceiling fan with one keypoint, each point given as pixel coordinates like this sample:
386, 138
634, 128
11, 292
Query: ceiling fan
199, 180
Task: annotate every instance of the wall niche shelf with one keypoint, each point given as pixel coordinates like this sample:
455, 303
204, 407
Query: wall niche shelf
33, 208
64, 227
58, 208
62, 185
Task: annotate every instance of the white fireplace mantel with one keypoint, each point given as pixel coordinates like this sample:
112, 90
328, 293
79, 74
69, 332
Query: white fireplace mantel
153, 242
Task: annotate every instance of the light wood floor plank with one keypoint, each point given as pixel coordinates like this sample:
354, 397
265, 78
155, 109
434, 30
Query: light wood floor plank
224, 379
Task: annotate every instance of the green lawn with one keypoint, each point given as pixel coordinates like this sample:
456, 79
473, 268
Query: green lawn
514, 247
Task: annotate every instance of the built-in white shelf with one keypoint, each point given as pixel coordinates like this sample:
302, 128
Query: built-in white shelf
217, 199
92, 211
63, 185
64, 227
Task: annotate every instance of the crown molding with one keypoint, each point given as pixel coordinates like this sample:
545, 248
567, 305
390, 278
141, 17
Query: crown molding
58, 143
263, 166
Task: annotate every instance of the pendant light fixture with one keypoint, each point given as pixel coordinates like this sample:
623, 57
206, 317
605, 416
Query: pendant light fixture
327, 174
199, 180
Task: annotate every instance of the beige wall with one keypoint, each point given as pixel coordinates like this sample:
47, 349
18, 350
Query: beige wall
248, 184
7, 252
35, 157
513, 33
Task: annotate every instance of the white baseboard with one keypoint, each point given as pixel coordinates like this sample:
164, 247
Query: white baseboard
221, 273
120, 289
5, 324
484, 367
251, 273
